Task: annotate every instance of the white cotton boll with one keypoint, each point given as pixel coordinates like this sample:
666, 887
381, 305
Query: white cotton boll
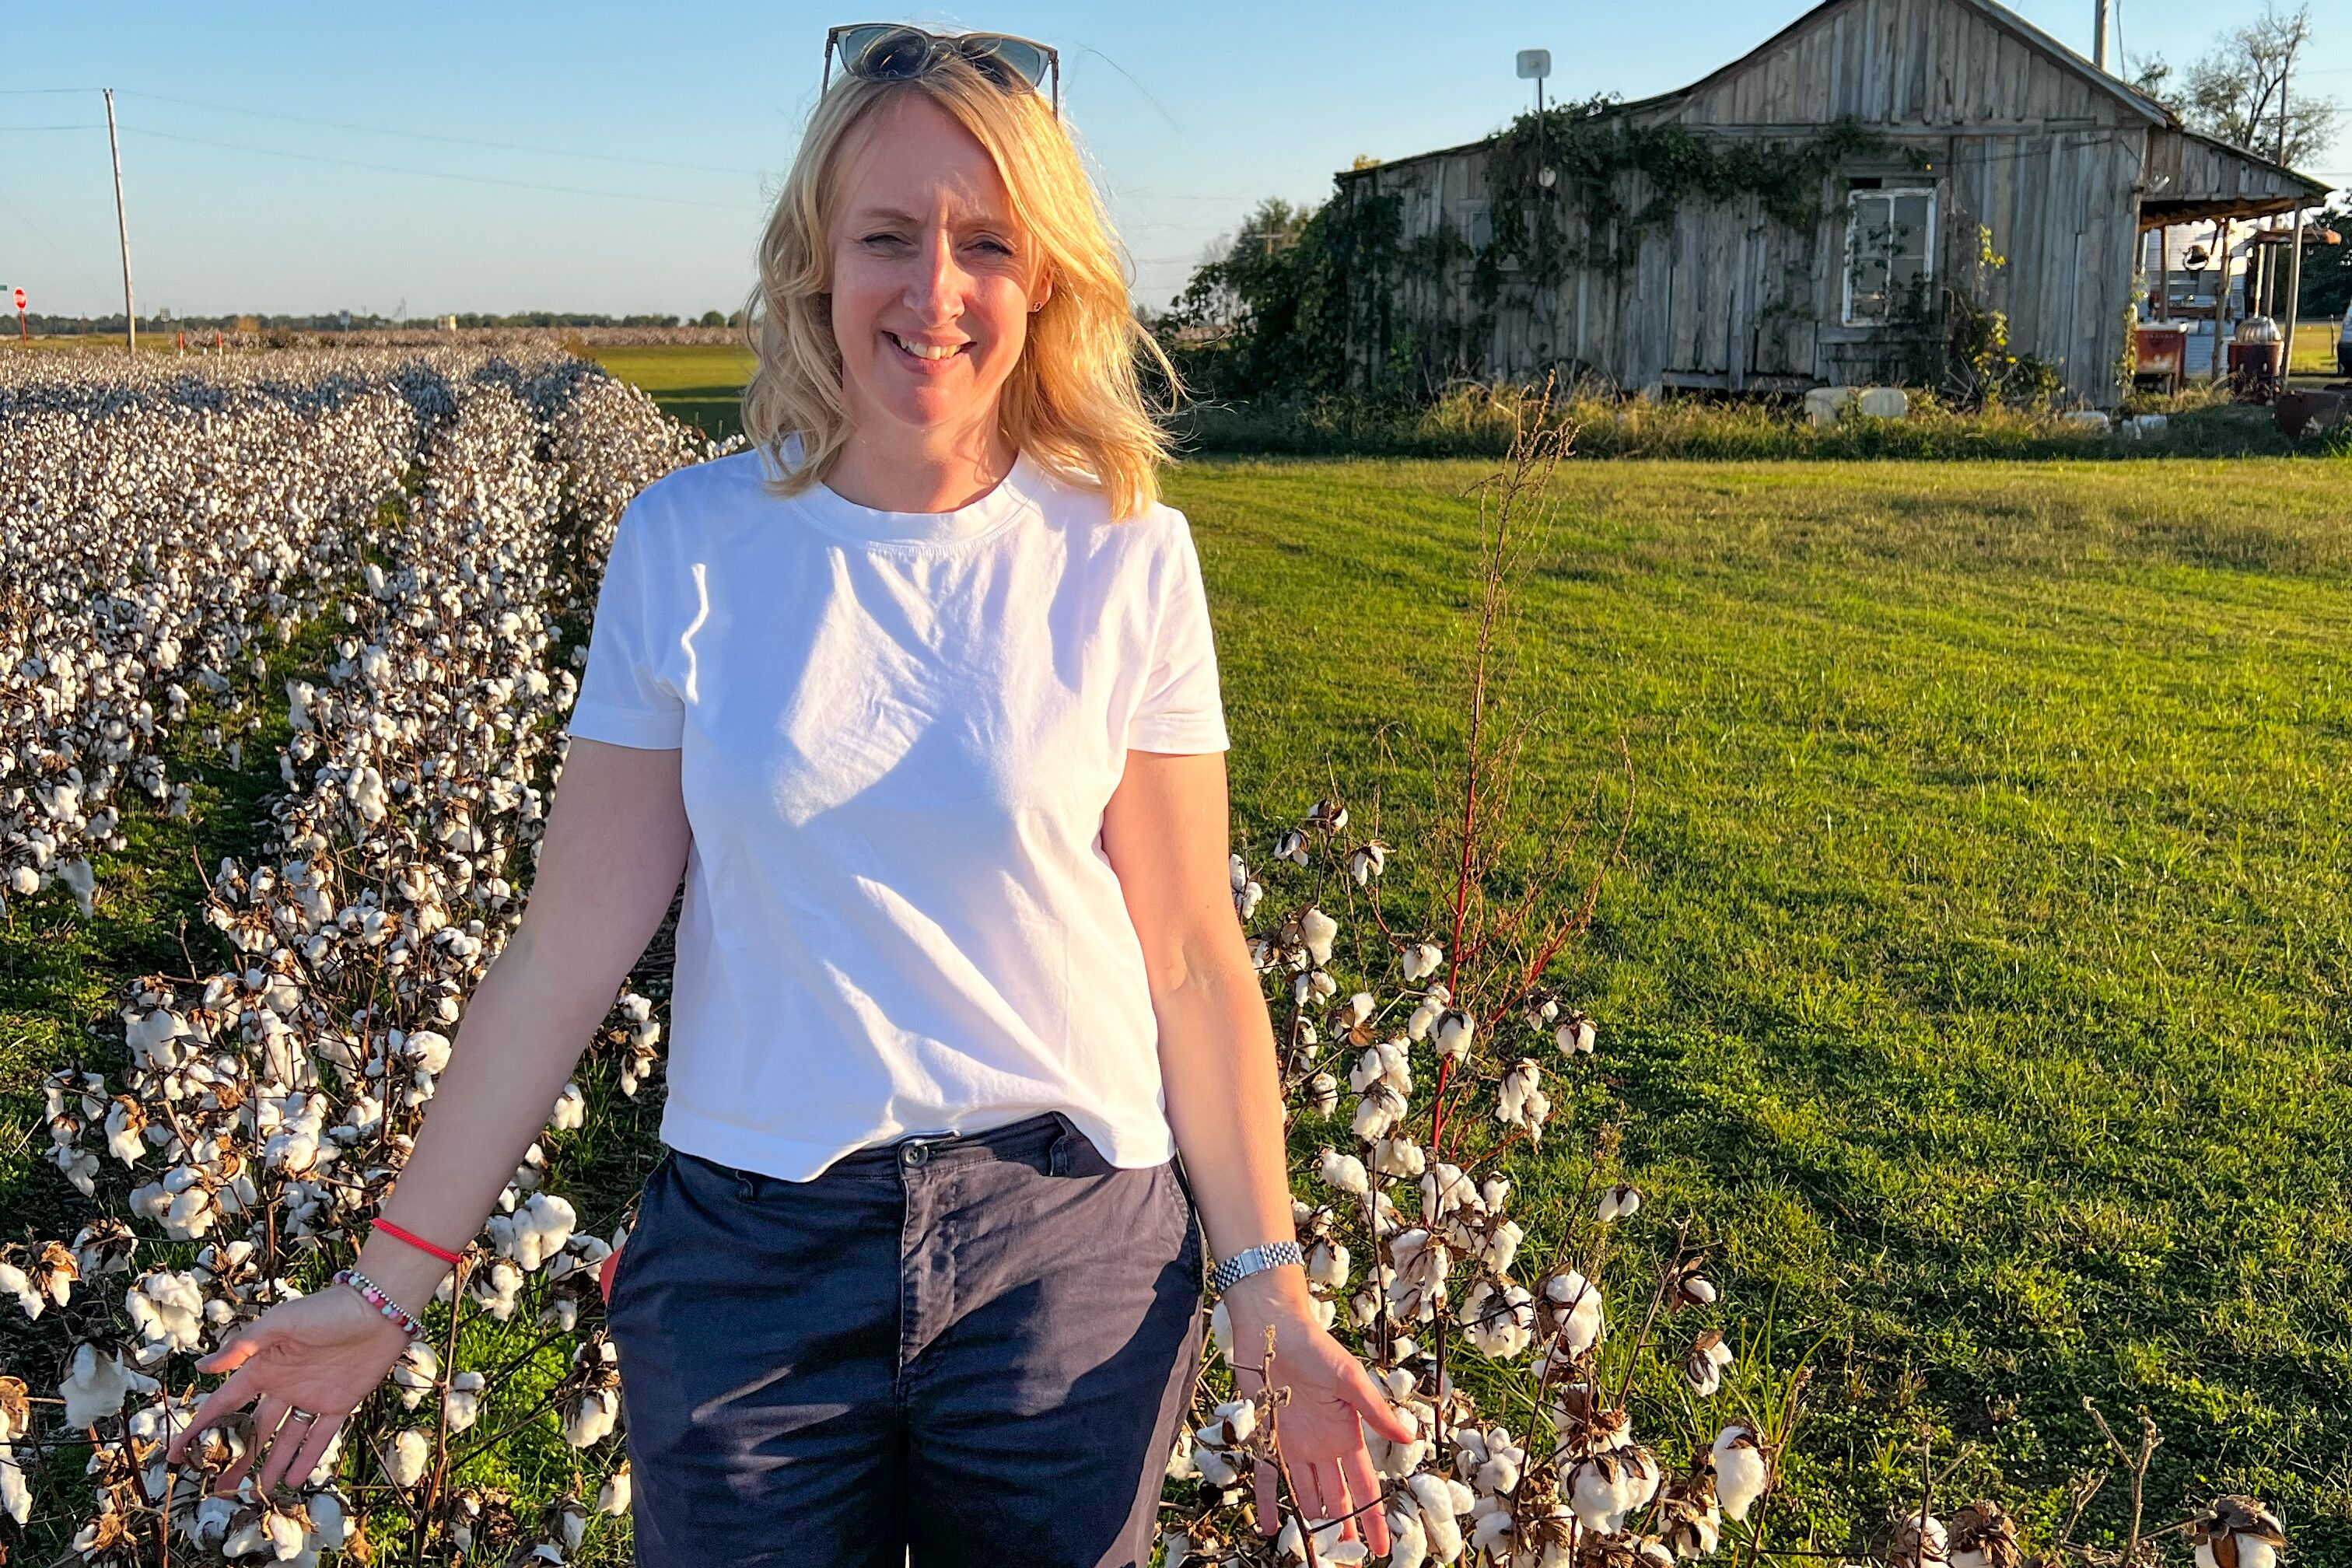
410, 1451
1921, 1538
1378, 1112
1489, 1523
1323, 1094
1505, 1463
1399, 1156
1519, 1102
15, 1282
1216, 1469
1577, 1309
1343, 1172
1453, 1030
2252, 1552
613, 1496
1501, 1324
329, 1524
1421, 959
285, 1541
1317, 929
495, 1287
1231, 1423
1575, 1037
1408, 1542
1740, 1469
1606, 1486
1355, 1010
570, 1110
428, 1049
1444, 1190
96, 1387
1618, 1202
168, 1309
1327, 1265
15, 1497
1435, 1498
541, 1227
415, 1373
1221, 1325
589, 1420
1502, 1245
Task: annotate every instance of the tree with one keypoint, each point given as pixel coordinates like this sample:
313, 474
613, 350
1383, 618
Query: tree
714, 319
2327, 271
2244, 89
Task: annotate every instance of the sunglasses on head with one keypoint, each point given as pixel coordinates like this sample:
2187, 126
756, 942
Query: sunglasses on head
893, 51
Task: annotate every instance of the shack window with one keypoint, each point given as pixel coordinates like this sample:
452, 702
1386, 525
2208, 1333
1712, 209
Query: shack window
1475, 216
1890, 254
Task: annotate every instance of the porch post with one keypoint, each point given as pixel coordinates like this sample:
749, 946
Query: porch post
2293, 293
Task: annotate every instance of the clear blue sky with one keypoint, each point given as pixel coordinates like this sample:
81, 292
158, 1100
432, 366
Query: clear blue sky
1191, 114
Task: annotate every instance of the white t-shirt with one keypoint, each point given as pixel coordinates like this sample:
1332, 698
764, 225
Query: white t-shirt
899, 732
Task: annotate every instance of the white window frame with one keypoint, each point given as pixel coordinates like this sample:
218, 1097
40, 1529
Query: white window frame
1889, 194
1469, 213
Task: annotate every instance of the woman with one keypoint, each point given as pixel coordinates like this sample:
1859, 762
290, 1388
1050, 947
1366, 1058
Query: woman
920, 694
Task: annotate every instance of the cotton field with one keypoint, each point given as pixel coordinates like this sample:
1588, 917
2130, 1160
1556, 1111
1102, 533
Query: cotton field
436, 522
161, 533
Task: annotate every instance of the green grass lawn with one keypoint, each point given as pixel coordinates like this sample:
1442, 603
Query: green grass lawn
701, 384
1979, 975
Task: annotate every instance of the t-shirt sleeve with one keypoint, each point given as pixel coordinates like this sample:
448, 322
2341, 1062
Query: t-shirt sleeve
623, 697
1181, 708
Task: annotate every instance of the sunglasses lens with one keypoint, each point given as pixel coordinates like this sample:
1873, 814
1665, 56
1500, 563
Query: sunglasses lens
885, 52
1007, 59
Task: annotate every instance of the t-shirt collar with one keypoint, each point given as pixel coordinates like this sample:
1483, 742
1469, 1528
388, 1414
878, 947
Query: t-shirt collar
835, 514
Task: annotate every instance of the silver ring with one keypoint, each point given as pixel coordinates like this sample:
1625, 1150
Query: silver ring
295, 1413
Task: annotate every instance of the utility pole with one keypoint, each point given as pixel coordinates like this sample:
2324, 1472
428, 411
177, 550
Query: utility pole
2099, 44
122, 225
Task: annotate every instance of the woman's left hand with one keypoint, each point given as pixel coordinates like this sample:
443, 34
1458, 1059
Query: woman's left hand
1321, 1425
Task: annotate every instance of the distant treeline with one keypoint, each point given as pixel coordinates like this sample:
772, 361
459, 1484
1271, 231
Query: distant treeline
72, 326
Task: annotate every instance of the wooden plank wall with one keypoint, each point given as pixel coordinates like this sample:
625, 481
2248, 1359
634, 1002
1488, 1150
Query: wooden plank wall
1726, 297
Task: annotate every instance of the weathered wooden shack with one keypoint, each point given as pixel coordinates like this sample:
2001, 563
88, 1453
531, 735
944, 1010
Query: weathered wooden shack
1975, 165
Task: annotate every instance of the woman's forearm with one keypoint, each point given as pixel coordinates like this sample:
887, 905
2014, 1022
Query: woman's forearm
1225, 1104
525, 1027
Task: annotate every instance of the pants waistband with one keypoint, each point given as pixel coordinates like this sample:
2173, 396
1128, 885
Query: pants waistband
1027, 1140
1032, 1141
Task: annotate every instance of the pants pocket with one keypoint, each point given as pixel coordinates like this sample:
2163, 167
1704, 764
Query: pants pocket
636, 1245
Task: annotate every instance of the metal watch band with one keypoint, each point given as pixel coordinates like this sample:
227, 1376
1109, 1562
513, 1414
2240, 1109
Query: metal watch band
1250, 1259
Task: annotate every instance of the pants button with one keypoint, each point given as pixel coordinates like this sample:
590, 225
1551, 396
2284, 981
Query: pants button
915, 1153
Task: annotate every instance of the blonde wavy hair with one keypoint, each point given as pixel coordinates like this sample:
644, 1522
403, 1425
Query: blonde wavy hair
1075, 401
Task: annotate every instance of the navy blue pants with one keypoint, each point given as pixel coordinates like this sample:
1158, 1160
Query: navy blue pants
949, 1349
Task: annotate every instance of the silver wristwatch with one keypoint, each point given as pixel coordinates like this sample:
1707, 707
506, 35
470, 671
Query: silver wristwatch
1250, 1259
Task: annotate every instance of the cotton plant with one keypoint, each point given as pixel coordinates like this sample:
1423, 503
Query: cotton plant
1415, 1251
247, 1119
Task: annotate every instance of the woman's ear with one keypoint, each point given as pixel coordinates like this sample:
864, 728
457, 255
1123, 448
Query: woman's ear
1042, 293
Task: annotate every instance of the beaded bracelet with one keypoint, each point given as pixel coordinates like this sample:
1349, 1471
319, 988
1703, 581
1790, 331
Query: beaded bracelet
391, 1308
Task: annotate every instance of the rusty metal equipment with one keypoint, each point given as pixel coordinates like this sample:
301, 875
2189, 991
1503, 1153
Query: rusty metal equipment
2161, 356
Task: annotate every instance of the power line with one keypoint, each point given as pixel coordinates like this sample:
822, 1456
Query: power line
451, 140
441, 173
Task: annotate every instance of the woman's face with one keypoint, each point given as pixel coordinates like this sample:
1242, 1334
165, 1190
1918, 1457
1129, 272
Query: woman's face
931, 274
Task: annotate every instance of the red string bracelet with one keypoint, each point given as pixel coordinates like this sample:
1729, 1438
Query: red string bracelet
442, 1253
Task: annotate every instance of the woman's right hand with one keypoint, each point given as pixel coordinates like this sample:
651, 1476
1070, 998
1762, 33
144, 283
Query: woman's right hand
323, 1352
